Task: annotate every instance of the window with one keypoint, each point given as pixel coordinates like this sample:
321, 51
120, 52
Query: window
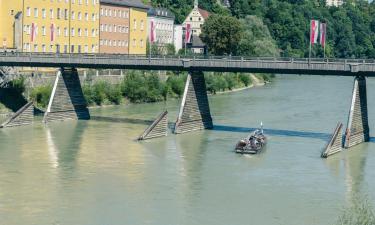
135, 24
66, 32
72, 32
86, 16
43, 48
43, 30
141, 24
51, 13
58, 13
73, 15
141, 42
36, 12
134, 42
79, 16
28, 11
44, 13
66, 14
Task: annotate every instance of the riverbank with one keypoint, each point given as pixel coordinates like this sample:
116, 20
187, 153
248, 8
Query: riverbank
141, 87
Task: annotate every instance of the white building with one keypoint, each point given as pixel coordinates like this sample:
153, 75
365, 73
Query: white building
163, 19
334, 2
196, 19
177, 37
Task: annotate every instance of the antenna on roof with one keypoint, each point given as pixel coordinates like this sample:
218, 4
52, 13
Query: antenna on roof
195, 3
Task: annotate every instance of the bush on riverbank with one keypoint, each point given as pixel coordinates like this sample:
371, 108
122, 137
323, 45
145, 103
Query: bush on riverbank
216, 82
140, 86
101, 93
40, 95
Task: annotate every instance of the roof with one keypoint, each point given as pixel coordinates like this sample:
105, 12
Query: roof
197, 42
160, 12
205, 14
129, 3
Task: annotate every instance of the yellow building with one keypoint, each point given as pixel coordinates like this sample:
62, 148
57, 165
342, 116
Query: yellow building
8, 12
65, 26
138, 30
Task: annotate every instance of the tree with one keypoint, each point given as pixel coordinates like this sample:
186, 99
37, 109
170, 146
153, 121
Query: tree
257, 40
221, 34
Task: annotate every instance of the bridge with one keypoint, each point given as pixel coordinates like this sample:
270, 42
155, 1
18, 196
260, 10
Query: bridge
67, 100
341, 67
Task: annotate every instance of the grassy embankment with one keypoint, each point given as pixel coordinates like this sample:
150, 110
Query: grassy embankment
141, 87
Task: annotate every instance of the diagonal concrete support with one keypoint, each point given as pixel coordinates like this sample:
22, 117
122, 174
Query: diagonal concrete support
195, 110
24, 116
159, 128
335, 144
357, 130
67, 100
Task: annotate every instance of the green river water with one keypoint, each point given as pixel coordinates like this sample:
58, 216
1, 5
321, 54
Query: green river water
95, 173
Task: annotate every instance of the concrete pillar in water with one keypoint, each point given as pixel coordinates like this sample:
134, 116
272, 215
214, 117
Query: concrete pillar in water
67, 100
335, 144
195, 110
159, 128
357, 130
24, 116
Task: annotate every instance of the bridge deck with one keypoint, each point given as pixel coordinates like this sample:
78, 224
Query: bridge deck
342, 67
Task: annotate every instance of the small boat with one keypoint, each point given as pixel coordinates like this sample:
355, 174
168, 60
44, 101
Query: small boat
253, 143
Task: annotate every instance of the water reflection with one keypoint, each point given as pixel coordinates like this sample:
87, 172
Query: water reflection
64, 143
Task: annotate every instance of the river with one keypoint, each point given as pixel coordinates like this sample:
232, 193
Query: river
95, 173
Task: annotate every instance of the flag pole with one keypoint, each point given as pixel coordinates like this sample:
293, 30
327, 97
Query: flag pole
310, 42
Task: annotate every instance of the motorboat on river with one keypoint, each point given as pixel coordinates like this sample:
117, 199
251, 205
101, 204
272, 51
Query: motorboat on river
252, 144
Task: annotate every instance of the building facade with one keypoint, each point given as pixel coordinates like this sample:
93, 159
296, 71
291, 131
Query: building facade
163, 20
177, 37
62, 26
334, 2
138, 29
196, 19
9, 10
114, 27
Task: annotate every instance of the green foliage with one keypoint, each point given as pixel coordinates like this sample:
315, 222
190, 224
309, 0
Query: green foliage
257, 40
101, 93
40, 95
176, 85
18, 85
143, 87
245, 79
221, 34
170, 49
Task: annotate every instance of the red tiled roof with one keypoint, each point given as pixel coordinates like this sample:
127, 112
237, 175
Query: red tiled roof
205, 14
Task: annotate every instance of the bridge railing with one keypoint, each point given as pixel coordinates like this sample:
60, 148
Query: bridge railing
196, 57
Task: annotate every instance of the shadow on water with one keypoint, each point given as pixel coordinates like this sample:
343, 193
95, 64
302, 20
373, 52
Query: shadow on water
279, 132
121, 120
273, 132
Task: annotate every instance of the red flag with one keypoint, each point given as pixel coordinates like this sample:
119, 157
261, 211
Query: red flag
32, 31
52, 32
322, 36
153, 32
314, 31
188, 33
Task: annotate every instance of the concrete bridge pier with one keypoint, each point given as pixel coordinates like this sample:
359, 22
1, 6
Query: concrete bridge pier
357, 130
195, 110
67, 100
